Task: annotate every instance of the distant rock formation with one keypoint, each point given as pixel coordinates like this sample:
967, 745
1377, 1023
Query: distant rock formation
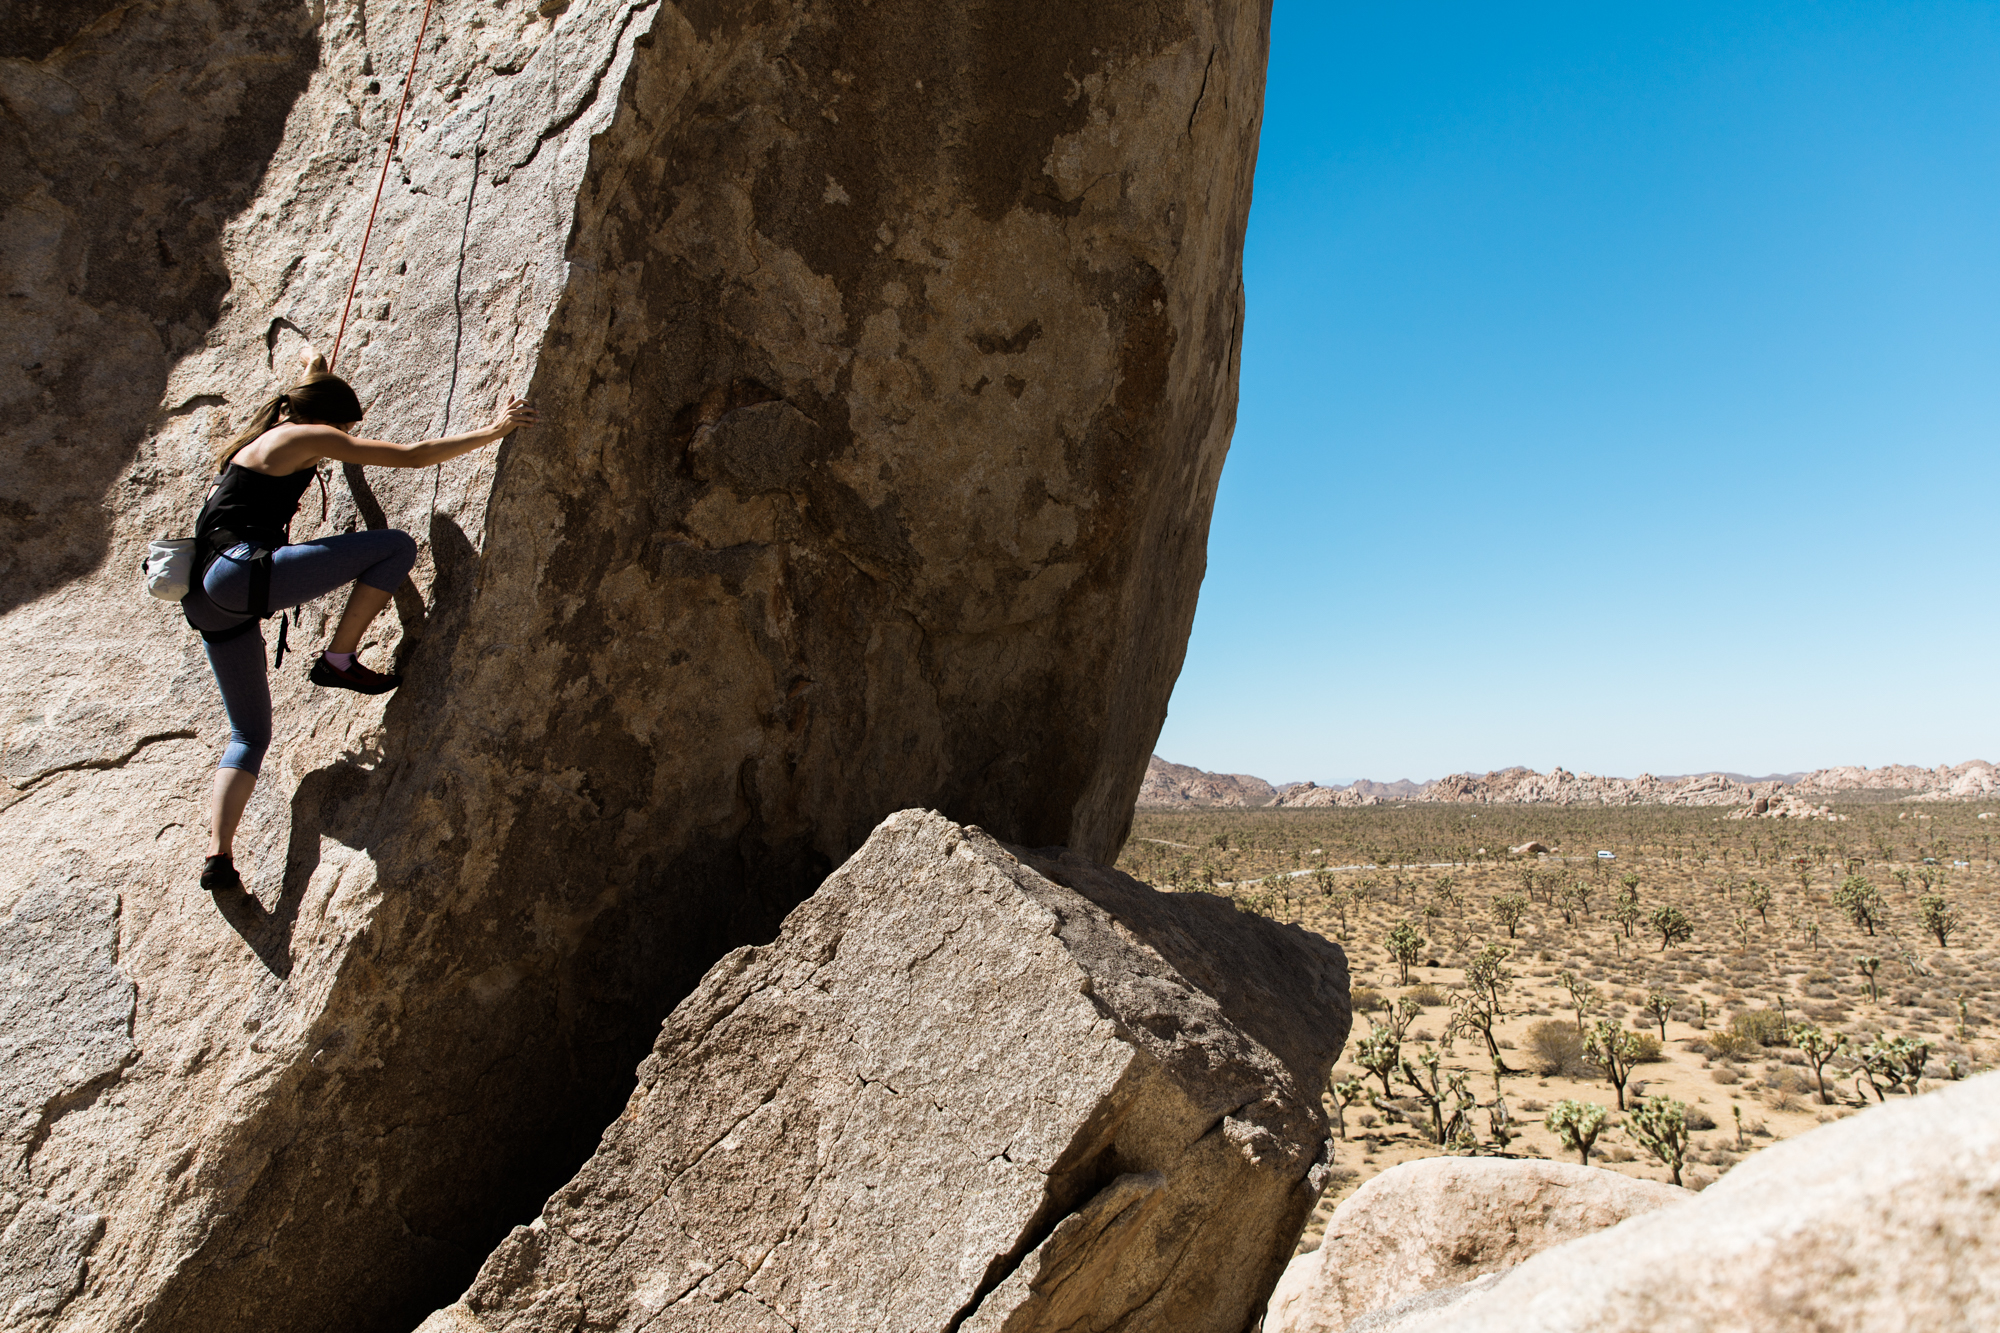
1971, 780
963, 1089
1884, 1220
1307, 795
1171, 786
1559, 786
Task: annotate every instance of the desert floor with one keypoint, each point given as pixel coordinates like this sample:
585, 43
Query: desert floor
1353, 875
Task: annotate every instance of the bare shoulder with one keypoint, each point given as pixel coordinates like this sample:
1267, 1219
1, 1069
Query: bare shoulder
286, 449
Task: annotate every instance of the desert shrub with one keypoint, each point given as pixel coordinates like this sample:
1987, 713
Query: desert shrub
1729, 1045
1646, 1050
1554, 1047
1724, 1075
1698, 1119
1366, 1001
1427, 995
1761, 1027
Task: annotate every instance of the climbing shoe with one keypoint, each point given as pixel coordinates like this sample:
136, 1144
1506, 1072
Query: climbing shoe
356, 677
218, 875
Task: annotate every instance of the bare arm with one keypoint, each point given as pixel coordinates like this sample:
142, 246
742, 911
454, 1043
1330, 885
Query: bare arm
303, 445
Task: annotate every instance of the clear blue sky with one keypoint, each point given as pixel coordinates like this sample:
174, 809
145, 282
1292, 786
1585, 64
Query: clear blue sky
1621, 386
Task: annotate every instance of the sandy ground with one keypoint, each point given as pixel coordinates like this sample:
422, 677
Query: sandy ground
1801, 958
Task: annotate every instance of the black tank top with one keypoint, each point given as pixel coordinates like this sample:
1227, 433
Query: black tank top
250, 507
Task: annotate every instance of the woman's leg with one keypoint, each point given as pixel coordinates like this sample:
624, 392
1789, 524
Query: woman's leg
363, 604
239, 669
225, 808
379, 560
376, 561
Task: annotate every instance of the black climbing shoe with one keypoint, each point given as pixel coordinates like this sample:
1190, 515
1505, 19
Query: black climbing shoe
218, 875
357, 678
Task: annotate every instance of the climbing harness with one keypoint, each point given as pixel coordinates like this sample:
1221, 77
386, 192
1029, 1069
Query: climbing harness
213, 542
409, 81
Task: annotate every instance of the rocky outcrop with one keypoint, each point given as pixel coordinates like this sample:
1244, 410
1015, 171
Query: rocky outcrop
1957, 782
1883, 1220
1559, 786
1784, 805
1175, 786
1171, 786
1309, 796
886, 356
961, 1090
1443, 1221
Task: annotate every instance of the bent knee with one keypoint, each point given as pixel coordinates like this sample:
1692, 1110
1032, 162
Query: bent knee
399, 557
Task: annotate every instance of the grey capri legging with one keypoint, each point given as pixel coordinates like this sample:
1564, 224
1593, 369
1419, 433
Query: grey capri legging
380, 558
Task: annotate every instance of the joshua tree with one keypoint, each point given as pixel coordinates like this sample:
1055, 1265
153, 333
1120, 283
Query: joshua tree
1529, 883
1673, 925
1898, 1061
1346, 1092
1405, 943
1757, 897
1431, 1086
1481, 1005
1339, 900
1869, 965
1509, 909
1615, 1050
1576, 1125
1380, 1052
1819, 1048
1628, 885
1861, 901
1568, 904
1582, 995
1582, 889
1627, 915
1939, 917
1659, 1004
1660, 1125
1499, 1122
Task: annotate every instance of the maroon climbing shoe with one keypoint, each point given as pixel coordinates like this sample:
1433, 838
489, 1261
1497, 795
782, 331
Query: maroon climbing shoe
218, 875
357, 678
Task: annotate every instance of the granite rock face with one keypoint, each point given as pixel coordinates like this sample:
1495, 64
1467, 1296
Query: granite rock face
1888, 1219
1442, 1221
887, 360
956, 1092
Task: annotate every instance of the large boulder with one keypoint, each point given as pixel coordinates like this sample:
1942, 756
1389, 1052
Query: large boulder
887, 360
1886, 1220
1442, 1221
962, 1090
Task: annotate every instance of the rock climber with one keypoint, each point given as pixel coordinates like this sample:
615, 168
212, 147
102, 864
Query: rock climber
245, 569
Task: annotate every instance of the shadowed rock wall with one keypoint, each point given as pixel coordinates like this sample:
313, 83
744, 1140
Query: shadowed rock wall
887, 358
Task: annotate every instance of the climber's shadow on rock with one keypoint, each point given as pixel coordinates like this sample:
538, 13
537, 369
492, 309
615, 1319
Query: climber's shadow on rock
338, 800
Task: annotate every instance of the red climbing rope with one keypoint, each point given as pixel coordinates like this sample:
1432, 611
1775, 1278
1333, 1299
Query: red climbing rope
409, 81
